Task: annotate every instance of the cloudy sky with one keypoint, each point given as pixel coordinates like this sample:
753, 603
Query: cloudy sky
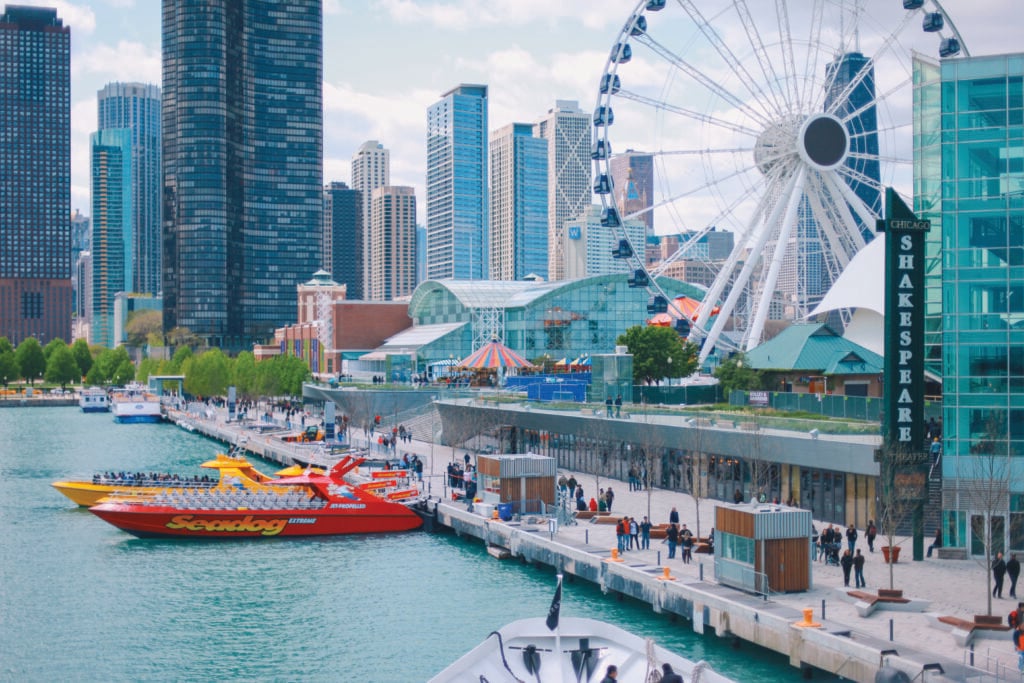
386, 61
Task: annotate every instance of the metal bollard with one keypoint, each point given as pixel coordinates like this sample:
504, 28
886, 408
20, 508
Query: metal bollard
890, 630
659, 558
701, 571
586, 536
972, 655
823, 609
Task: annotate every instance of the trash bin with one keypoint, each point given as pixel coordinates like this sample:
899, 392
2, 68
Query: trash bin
505, 511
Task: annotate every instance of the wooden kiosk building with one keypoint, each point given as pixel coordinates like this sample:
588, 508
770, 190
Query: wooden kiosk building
763, 548
526, 481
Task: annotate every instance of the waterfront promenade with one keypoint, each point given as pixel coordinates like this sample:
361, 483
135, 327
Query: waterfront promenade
955, 588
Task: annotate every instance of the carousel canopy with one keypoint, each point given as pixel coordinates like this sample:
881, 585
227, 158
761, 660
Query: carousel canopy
494, 355
687, 306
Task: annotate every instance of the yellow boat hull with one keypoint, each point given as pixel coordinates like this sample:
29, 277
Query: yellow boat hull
86, 494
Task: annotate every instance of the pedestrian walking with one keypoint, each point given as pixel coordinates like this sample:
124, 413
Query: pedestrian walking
846, 562
851, 537
686, 539
936, 542
673, 516
858, 570
609, 496
634, 534
998, 572
645, 534
608, 406
1013, 571
672, 538
870, 534
618, 406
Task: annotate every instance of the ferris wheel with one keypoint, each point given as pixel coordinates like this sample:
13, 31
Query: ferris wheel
781, 122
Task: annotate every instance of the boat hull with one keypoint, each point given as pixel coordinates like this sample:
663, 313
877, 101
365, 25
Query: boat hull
134, 419
166, 522
83, 493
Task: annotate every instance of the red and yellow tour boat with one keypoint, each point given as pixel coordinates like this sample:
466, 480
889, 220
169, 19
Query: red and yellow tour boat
230, 468
309, 504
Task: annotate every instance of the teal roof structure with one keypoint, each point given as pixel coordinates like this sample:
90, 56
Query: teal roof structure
815, 348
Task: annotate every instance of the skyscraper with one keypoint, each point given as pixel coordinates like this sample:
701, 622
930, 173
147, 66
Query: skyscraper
371, 168
567, 130
457, 222
519, 203
136, 106
343, 237
633, 179
112, 246
243, 153
393, 243
35, 165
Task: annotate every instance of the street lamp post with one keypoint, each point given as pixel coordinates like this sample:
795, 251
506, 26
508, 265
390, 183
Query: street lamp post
670, 370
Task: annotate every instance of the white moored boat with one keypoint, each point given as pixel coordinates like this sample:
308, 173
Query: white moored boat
570, 650
93, 400
134, 404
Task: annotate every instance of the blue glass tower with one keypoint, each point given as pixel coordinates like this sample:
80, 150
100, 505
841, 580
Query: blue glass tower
519, 203
112, 245
343, 234
136, 107
457, 221
969, 177
242, 152
35, 168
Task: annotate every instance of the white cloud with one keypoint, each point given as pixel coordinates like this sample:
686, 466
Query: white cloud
468, 14
126, 61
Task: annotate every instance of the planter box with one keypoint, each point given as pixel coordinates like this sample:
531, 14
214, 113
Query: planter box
894, 551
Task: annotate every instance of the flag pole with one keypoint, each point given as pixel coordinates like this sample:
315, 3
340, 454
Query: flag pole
556, 608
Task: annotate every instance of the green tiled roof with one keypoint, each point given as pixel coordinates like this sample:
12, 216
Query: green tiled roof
814, 347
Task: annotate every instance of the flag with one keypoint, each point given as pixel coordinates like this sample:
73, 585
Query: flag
556, 605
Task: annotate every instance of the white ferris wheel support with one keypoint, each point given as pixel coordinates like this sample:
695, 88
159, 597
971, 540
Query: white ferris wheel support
777, 121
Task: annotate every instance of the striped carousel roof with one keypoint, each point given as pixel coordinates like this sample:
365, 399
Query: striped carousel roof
494, 355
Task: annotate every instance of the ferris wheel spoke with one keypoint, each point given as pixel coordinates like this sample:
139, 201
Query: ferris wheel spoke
855, 203
902, 161
698, 76
876, 100
668, 201
888, 45
711, 225
852, 176
829, 213
764, 59
687, 113
786, 43
702, 152
811, 61
784, 229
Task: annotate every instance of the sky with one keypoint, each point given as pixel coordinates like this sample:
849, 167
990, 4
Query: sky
386, 61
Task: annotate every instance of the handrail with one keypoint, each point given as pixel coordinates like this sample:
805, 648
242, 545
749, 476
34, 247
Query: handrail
747, 576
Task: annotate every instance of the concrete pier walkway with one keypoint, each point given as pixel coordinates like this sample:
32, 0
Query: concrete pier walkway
849, 645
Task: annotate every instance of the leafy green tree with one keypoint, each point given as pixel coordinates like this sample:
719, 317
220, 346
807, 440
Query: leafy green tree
177, 364
658, 352
110, 361
141, 324
148, 367
124, 372
294, 372
62, 368
208, 374
243, 375
31, 360
9, 370
83, 356
51, 347
95, 376
735, 373
5, 345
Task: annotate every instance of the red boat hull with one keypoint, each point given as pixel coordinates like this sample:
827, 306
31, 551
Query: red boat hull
150, 521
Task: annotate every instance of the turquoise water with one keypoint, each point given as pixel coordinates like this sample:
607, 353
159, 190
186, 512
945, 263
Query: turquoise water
83, 601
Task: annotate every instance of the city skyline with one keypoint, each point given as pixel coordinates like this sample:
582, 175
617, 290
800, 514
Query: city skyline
529, 54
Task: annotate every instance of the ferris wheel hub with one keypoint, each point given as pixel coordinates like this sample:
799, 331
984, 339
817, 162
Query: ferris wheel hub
823, 142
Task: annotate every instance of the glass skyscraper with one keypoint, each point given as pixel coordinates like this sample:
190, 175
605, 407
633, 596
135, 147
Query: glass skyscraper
343, 237
136, 107
35, 167
242, 152
969, 174
112, 243
457, 222
519, 203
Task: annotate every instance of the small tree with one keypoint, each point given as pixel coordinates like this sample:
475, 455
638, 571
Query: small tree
62, 367
142, 324
83, 356
989, 493
735, 374
658, 352
902, 483
30, 358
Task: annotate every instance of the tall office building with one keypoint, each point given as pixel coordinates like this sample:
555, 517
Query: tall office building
519, 203
633, 178
392, 243
112, 247
243, 156
35, 167
371, 168
567, 130
968, 178
81, 236
457, 222
343, 237
136, 106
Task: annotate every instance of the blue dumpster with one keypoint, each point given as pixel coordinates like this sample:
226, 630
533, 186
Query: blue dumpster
505, 511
